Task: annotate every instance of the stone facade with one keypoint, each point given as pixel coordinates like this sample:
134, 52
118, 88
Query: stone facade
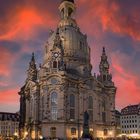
55, 96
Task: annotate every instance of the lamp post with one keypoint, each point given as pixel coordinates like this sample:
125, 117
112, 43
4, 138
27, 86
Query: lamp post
15, 136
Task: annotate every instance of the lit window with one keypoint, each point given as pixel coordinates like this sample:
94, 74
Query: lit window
105, 132
73, 131
53, 132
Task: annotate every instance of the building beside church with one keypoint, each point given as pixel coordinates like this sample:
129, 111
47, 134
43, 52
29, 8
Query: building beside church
130, 121
9, 125
56, 95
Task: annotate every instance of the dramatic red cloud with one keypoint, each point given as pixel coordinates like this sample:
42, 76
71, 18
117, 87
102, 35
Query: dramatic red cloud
10, 96
111, 20
9, 100
24, 25
127, 90
5, 61
111, 16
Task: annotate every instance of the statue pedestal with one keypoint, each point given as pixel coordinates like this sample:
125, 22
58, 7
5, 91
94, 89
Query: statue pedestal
86, 135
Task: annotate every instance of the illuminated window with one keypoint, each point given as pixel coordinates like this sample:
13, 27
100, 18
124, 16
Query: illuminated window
54, 106
53, 132
73, 131
105, 132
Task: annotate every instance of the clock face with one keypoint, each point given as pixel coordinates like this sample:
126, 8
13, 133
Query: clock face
55, 54
54, 81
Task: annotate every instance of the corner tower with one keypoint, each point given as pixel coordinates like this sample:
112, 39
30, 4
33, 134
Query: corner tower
105, 76
32, 71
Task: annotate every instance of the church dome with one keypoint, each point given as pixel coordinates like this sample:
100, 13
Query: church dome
74, 46
74, 43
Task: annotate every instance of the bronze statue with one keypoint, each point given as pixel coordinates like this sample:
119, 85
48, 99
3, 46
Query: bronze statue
86, 134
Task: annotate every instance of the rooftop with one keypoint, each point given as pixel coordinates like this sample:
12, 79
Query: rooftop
7, 116
131, 110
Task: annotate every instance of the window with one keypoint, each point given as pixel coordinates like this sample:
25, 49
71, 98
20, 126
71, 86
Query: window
104, 77
73, 131
105, 132
81, 45
90, 102
72, 113
72, 106
104, 117
54, 106
59, 64
72, 100
54, 64
90, 108
53, 132
103, 105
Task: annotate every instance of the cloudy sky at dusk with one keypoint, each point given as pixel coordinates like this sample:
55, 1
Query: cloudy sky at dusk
24, 28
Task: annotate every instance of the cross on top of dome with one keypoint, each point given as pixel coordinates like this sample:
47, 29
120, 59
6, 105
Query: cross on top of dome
68, 0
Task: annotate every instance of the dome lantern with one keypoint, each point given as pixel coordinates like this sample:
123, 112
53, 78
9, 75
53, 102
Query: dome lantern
67, 8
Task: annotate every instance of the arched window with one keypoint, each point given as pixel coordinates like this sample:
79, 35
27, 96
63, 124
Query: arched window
54, 110
103, 105
90, 108
90, 102
53, 132
104, 77
72, 100
73, 131
72, 106
105, 132
54, 64
81, 45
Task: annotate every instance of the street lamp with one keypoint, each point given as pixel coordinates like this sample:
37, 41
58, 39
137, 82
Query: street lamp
40, 137
110, 133
16, 134
25, 134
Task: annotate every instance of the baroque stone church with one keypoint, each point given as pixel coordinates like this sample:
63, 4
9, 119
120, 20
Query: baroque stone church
56, 95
